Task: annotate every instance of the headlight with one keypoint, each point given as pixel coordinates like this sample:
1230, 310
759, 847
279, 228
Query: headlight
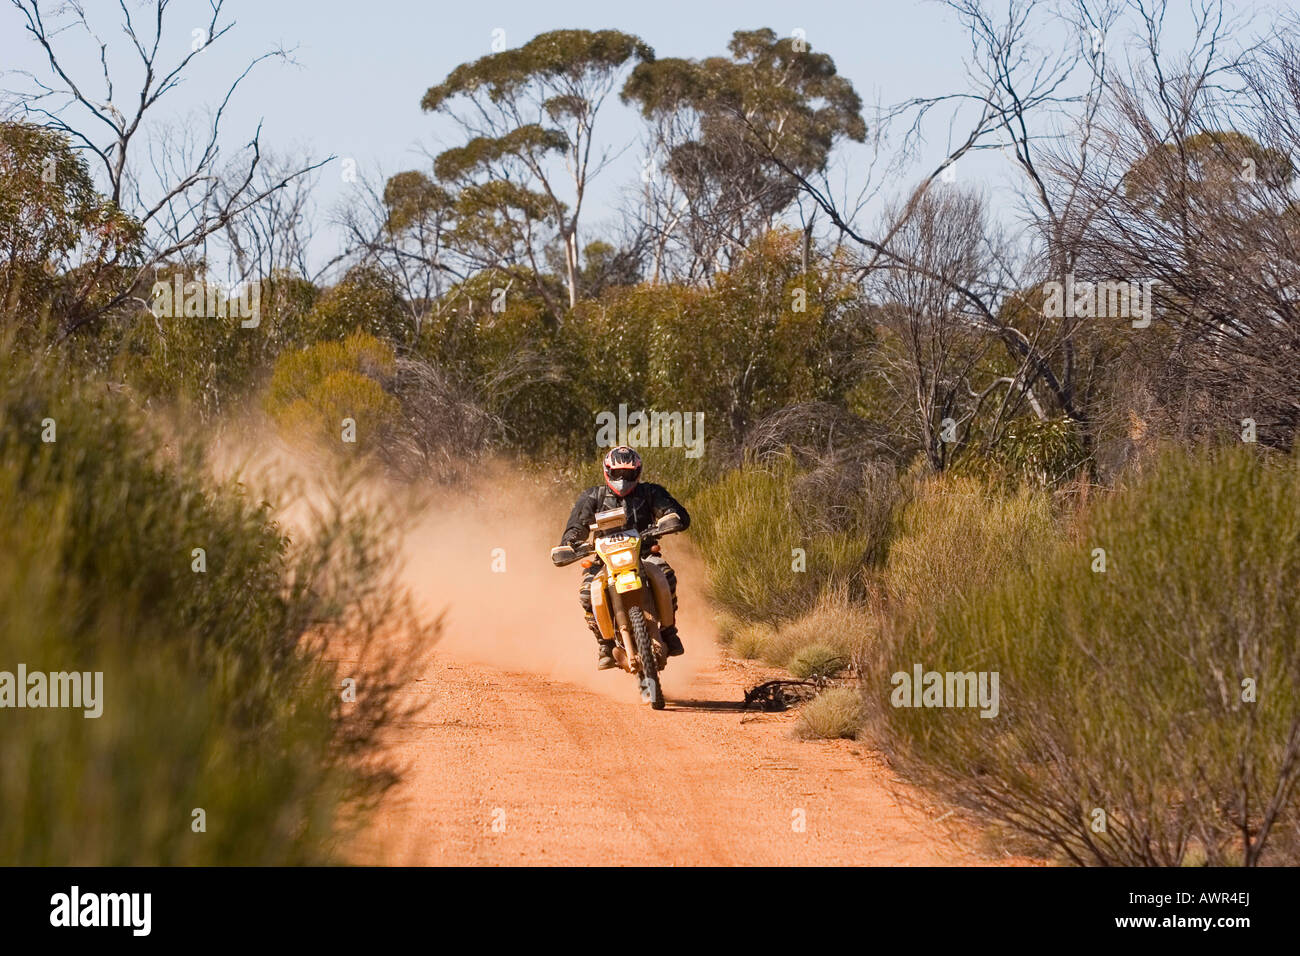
621, 559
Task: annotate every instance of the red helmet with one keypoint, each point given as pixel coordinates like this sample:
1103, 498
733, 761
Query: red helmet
622, 470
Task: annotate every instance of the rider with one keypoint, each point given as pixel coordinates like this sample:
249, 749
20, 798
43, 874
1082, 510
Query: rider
645, 503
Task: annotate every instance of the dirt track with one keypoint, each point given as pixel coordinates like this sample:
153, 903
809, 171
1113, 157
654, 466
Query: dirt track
512, 768
525, 754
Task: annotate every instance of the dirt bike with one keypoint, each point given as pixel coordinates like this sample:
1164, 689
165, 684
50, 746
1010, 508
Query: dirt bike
630, 598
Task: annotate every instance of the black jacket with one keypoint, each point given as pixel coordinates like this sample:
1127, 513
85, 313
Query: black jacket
647, 503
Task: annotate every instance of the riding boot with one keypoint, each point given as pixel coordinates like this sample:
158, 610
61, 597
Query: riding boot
605, 649
672, 641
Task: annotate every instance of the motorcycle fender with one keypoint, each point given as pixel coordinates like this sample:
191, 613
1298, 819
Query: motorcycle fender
663, 594
600, 606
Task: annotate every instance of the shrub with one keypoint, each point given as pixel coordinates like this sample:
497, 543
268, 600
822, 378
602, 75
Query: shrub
1163, 692
367, 301
523, 367
684, 477
214, 697
313, 390
1045, 454
62, 244
835, 712
834, 622
747, 528
444, 427
956, 536
206, 364
728, 626
817, 660
752, 640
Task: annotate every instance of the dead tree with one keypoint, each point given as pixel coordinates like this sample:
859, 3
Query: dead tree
175, 183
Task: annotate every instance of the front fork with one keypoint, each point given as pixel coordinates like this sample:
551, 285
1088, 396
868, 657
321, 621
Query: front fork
619, 614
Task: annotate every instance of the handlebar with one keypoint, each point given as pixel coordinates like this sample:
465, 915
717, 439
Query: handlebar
566, 554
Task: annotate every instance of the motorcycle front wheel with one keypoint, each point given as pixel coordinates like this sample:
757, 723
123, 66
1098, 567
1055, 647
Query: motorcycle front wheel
651, 690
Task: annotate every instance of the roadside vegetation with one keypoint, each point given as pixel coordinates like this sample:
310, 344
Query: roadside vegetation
222, 737
1148, 712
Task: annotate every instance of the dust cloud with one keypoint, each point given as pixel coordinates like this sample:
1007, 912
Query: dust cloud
481, 557
478, 557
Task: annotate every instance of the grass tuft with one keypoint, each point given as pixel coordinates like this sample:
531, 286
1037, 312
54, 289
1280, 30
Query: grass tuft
834, 713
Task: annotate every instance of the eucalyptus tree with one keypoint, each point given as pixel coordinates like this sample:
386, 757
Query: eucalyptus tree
725, 128
529, 117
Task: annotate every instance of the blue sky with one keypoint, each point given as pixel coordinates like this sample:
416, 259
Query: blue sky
362, 68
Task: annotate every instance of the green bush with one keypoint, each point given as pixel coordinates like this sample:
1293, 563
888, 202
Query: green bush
214, 698
835, 712
752, 640
1045, 454
684, 477
206, 365
522, 365
835, 623
1159, 697
367, 301
955, 537
747, 530
817, 660
62, 245
314, 390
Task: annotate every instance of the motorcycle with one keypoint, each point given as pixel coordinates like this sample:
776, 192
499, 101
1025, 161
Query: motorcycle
630, 598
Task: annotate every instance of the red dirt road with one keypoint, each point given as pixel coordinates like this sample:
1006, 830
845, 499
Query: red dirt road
508, 767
